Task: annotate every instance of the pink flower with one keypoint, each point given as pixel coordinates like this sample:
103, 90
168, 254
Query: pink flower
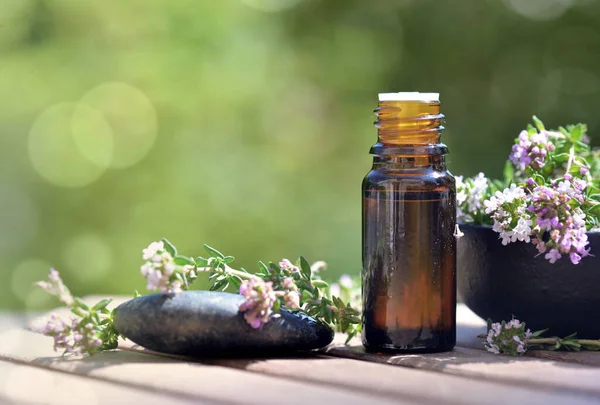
531, 150
292, 299
161, 271
74, 337
56, 287
285, 264
553, 255
259, 299
288, 284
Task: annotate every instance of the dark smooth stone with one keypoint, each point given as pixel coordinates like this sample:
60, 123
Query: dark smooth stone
206, 323
497, 282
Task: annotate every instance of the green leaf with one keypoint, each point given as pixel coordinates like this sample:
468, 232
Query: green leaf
576, 132
276, 306
81, 304
228, 259
184, 261
539, 124
561, 157
538, 333
236, 281
263, 267
320, 283
110, 345
509, 172
305, 268
169, 247
571, 343
78, 312
214, 252
102, 304
564, 131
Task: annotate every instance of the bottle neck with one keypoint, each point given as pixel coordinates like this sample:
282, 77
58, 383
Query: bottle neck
410, 157
409, 135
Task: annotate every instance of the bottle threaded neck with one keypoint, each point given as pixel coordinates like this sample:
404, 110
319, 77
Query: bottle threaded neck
409, 122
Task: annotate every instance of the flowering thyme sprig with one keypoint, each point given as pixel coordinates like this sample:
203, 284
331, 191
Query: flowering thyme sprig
513, 339
296, 287
550, 195
91, 329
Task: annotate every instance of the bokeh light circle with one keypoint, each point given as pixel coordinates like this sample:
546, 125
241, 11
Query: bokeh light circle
56, 154
271, 5
25, 274
87, 257
131, 116
92, 135
18, 218
540, 9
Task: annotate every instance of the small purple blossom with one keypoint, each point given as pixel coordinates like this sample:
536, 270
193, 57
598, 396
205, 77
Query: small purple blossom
259, 299
554, 214
291, 299
75, 337
55, 286
286, 265
161, 272
507, 337
346, 281
288, 283
470, 194
318, 267
531, 150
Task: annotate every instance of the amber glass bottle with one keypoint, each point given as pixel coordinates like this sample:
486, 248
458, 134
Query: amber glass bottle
409, 216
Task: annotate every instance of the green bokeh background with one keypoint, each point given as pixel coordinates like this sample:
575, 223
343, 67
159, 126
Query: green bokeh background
264, 120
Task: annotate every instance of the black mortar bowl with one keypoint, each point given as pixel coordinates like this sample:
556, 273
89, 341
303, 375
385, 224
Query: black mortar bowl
500, 282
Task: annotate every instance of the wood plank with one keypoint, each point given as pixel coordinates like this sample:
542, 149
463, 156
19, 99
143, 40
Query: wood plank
524, 372
425, 386
27, 384
469, 325
187, 380
478, 364
424, 382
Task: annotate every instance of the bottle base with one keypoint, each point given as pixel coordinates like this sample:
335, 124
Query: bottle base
392, 349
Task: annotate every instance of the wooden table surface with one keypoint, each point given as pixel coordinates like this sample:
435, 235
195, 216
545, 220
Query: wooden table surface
32, 373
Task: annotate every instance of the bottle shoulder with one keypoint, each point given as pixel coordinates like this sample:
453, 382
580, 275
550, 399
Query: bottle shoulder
412, 179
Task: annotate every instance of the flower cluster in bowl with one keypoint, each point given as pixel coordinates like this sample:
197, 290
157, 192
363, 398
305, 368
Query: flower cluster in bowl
550, 195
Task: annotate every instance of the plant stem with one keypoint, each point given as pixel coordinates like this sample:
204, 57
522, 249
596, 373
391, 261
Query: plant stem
542, 341
238, 273
588, 342
571, 157
229, 270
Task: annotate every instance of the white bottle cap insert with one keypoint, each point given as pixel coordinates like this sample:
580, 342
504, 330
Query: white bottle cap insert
409, 96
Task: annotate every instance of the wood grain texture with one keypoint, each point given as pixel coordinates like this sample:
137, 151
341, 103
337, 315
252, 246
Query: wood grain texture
185, 380
467, 375
28, 384
478, 364
469, 325
422, 386
535, 381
